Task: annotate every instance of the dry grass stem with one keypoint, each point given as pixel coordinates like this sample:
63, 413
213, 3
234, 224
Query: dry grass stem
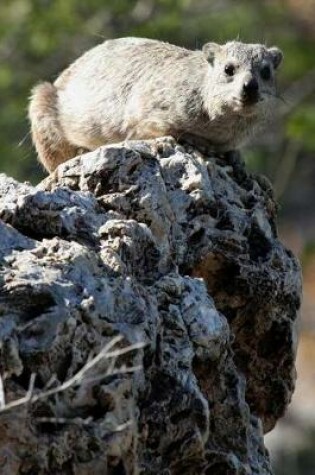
105, 353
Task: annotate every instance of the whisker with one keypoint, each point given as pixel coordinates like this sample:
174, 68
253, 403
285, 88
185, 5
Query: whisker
22, 142
282, 98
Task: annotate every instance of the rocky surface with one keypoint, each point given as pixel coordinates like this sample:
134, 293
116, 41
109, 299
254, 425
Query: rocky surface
167, 247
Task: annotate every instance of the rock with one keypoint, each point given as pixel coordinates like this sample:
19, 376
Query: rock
170, 248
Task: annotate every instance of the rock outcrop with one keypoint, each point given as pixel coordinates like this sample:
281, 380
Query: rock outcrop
177, 252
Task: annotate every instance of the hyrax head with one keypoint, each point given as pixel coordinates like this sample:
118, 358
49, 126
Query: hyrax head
242, 76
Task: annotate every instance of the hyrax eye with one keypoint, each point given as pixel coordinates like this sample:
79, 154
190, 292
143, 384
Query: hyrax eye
265, 72
229, 69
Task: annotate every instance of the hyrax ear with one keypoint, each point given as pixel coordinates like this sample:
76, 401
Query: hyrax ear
210, 50
276, 56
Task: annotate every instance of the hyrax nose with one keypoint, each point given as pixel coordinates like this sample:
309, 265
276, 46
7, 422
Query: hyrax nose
250, 90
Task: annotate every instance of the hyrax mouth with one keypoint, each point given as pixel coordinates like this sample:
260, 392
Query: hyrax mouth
246, 106
249, 103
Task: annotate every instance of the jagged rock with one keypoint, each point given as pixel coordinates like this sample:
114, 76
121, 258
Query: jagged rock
166, 246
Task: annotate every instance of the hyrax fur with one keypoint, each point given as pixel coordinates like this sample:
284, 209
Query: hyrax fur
138, 88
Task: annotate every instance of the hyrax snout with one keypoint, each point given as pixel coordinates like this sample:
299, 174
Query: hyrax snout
250, 92
135, 88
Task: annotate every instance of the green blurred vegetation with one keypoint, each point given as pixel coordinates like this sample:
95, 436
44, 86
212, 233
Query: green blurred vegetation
38, 38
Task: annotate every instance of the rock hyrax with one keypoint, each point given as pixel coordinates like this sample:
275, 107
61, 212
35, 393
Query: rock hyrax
139, 88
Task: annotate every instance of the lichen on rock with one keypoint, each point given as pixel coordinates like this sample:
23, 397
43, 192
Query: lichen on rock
168, 246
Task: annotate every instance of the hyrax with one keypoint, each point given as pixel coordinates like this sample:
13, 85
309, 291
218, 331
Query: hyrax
138, 88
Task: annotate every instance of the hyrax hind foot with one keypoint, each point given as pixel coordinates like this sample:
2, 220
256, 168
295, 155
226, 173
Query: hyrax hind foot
48, 137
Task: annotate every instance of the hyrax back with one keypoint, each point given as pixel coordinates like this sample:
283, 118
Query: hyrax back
139, 88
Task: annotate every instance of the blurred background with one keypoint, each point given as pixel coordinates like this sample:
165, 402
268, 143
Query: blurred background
38, 38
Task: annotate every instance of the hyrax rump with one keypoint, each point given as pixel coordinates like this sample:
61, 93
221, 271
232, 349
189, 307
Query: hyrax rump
139, 88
